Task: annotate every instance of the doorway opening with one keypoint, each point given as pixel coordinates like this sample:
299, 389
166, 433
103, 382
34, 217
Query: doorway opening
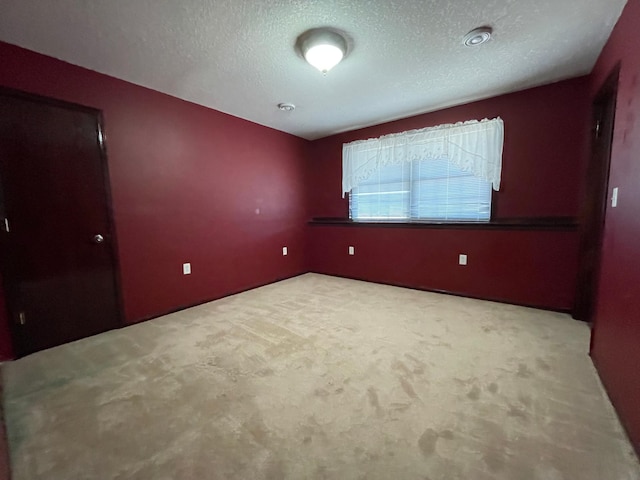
593, 214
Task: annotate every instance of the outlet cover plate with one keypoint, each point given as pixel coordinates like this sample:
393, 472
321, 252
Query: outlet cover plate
186, 269
285, 251
352, 250
462, 259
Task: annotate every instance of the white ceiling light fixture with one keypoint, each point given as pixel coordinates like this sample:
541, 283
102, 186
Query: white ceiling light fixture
478, 36
323, 48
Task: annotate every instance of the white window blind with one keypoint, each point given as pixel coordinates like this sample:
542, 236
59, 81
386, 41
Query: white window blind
443, 173
386, 195
423, 190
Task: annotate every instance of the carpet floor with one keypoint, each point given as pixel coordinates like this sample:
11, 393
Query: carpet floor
318, 377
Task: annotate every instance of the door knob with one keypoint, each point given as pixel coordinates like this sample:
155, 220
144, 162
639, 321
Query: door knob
98, 238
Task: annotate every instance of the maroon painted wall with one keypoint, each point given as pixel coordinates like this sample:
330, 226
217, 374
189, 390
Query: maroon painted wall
6, 350
616, 334
522, 267
186, 182
543, 176
544, 151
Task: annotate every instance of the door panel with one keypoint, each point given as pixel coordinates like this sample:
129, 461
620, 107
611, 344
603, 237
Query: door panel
53, 174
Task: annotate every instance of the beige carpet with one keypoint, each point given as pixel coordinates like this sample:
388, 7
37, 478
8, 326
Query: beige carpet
318, 377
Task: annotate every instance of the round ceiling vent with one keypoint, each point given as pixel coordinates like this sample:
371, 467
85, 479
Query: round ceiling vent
478, 36
286, 107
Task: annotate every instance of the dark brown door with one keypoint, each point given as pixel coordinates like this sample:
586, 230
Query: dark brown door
57, 254
593, 215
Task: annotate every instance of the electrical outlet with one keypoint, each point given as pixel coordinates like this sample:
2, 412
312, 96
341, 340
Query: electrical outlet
614, 198
285, 251
462, 259
186, 269
352, 250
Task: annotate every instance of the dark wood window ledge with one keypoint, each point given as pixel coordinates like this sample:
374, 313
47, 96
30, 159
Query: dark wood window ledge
529, 223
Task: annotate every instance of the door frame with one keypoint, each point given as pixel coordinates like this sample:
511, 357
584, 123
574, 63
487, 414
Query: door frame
584, 308
102, 147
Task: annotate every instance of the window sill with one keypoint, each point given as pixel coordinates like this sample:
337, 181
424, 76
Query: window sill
530, 223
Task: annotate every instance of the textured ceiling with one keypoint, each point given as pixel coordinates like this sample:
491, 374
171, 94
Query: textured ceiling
238, 56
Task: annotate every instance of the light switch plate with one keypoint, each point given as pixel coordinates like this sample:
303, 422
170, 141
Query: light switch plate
614, 198
352, 250
462, 259
186, 269
285, 251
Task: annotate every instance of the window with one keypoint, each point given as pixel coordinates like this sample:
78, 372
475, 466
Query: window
421, 190
443, 173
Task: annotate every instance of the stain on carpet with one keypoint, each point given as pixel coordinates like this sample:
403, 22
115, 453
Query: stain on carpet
373, 398
407, 387
474, 393
427, 442
495, 460
524, 371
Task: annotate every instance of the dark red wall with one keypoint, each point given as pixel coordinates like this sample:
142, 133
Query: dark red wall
186, 183
523, 267
543, 171
544, 151
616, 334
6, 350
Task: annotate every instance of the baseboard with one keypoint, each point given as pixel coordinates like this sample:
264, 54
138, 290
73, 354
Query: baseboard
635, 445
228, 294
278, 279
448, 292
5, 463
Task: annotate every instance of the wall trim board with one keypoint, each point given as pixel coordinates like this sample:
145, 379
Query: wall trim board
5, 462
208, 300
534, 223
448, 292
610, 393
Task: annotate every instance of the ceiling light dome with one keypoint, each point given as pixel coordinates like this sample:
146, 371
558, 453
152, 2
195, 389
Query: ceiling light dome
323, 48
478, 36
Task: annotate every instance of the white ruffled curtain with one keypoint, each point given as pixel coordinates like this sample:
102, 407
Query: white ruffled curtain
473, 146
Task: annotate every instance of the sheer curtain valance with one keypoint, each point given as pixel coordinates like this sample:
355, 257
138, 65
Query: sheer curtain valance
473, 146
